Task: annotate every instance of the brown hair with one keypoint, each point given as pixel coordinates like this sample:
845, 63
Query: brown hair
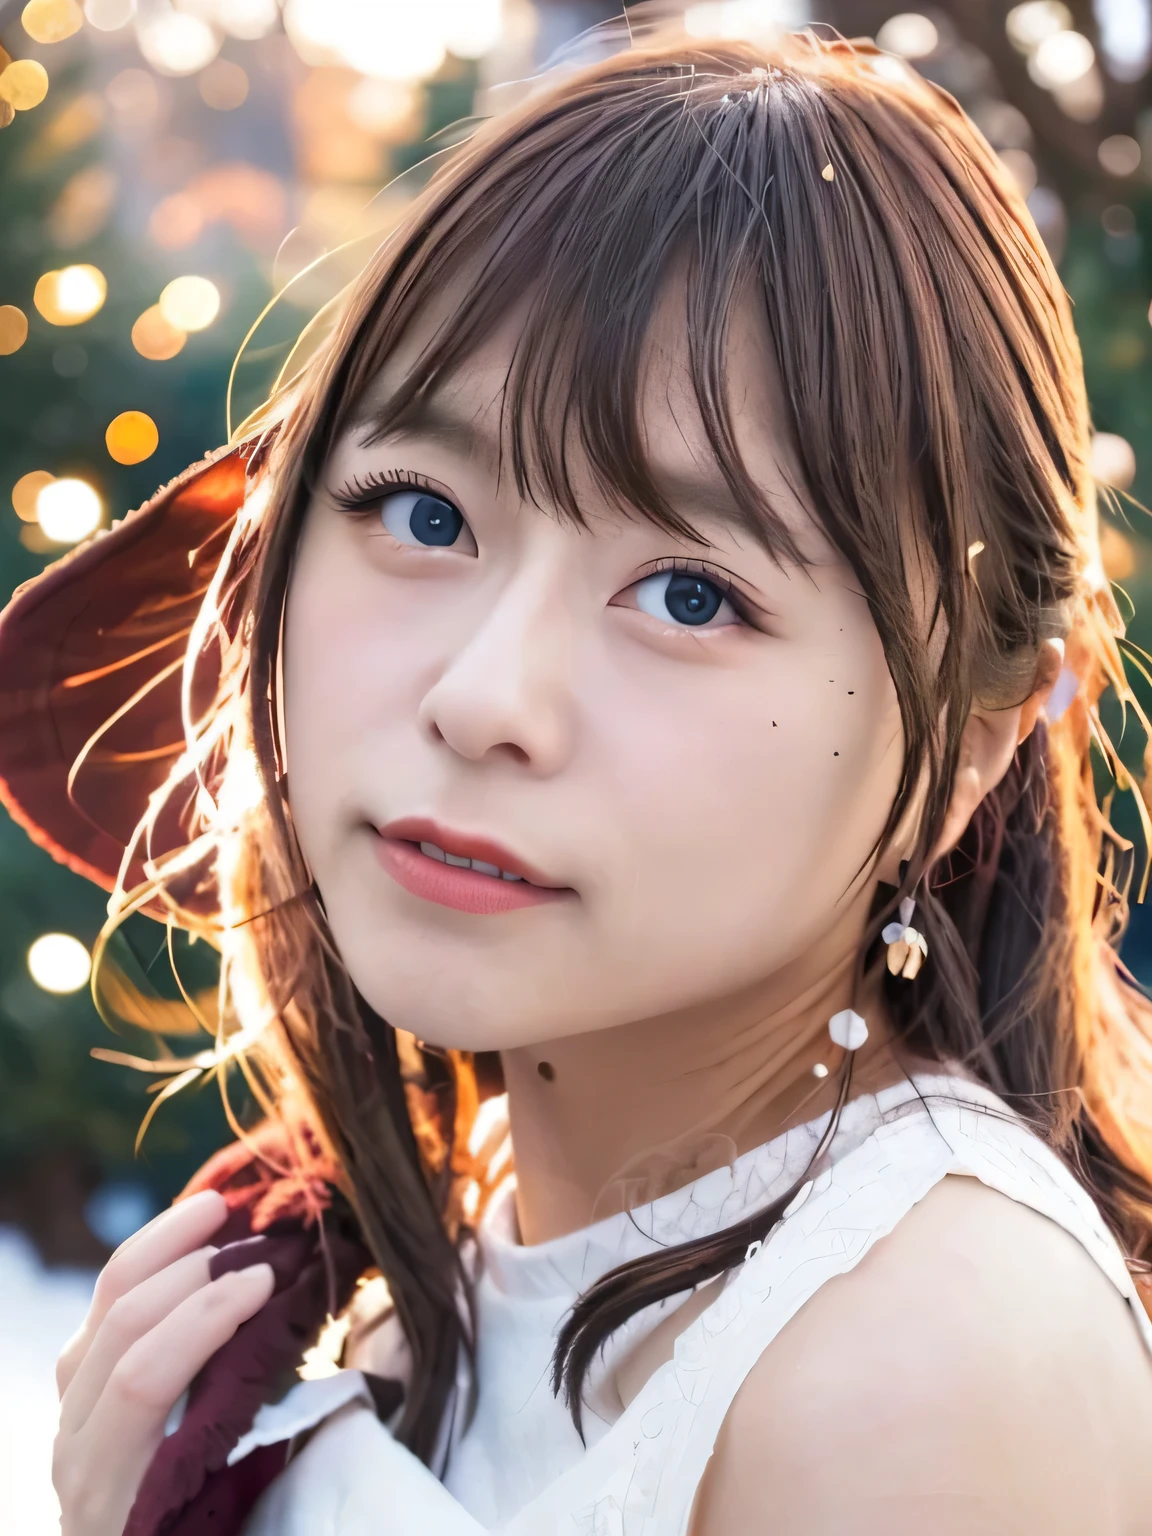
934, 391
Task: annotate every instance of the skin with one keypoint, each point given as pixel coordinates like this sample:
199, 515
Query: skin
155, 1321
519, 692
709, 800
975, 1375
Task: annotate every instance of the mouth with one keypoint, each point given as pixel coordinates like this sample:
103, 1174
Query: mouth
460, 871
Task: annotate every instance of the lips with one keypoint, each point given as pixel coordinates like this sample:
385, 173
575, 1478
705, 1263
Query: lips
461, 871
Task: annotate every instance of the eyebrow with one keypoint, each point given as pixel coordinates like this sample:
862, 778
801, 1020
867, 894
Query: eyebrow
697, 494
433, 417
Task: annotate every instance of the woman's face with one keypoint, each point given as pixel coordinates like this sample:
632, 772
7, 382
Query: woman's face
685, 751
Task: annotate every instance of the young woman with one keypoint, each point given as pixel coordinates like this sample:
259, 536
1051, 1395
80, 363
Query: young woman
657, 639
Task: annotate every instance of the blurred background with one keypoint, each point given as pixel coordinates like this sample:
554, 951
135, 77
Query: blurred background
166, 168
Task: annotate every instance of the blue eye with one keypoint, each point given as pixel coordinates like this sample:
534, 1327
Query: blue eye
415, 517
684, 598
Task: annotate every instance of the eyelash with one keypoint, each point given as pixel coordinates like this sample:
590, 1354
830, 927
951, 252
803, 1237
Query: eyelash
360, 494
718, 578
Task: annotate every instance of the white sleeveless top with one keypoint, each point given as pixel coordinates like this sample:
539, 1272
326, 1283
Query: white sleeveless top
520, 1468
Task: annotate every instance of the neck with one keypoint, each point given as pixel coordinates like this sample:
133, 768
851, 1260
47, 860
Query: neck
605, 1121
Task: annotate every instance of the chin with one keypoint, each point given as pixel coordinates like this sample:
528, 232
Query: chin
459, 1017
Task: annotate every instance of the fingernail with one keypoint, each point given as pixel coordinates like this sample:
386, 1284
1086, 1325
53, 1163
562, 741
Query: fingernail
201, 1197
263, 1272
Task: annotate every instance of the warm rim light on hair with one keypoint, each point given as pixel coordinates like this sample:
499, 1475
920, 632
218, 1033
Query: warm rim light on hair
59, 963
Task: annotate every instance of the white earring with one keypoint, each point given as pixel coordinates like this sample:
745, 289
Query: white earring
907, 949
848, 1029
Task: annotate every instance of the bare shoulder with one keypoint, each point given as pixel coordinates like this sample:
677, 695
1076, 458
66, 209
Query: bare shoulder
976, 1372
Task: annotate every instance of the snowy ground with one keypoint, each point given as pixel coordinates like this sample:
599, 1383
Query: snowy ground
39, 1310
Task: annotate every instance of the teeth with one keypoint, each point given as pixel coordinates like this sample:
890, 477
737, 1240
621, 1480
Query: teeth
492, 870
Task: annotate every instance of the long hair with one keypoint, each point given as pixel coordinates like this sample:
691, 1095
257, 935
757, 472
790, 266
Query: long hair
934, 394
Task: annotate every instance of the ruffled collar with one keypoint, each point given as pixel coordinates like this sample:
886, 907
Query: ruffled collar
564, 1267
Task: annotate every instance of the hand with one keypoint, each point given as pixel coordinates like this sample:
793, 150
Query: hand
156, 1319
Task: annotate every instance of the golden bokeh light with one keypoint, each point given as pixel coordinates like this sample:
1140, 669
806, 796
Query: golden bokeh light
177, 42
155, 338
390, 42
252, 200
109, 15
7, 113
51, 21
68, 510
389, 110
137, 98
1117, 554
83, 206
1061, 59
26, 492
24, 84
247, 19
176, 221
223, 85
59, 963
1029, 24
75, 123
1119, 154
132, 437
13, 329
1112, 460
190, 303
909, 34
71, 295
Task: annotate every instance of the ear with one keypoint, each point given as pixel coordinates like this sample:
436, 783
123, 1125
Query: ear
988, 745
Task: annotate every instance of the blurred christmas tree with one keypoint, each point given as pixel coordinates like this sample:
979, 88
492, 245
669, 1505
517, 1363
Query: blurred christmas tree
67, 1123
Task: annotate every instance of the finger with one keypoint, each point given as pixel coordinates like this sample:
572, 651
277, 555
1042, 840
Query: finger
100, 1467
185, 1227
129, 1318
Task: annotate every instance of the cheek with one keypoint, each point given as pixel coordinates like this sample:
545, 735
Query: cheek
328, 663
749, 809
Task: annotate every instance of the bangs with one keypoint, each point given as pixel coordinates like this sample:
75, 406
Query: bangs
928, 376
584, 236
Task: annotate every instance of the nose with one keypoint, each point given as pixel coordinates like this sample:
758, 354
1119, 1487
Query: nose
507, 690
